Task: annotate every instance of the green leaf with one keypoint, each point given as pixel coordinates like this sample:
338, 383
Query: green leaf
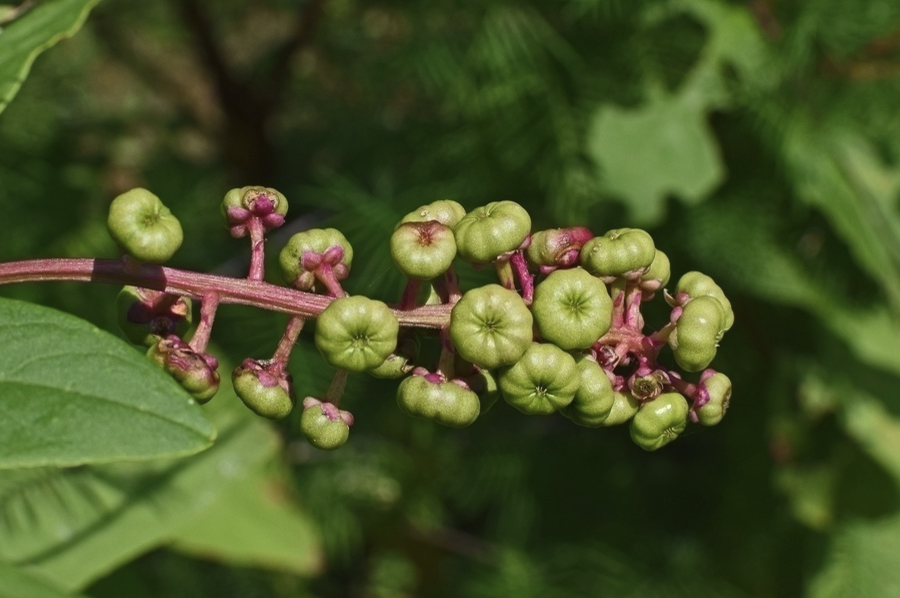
16, 584
264, 529
72, 394
133, 507
863, 560
662, 147
30, 34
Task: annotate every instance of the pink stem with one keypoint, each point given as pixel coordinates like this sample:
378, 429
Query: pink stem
257, 249
526, 278
286, 344
410, 294
234, 291
325, 275
336, 389
208, 306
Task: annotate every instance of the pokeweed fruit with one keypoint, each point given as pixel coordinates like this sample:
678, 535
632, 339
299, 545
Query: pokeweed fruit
487, 232
696, 284
196, 372
697, 333
626, 252
324, 425
399, 363
264, 388
146, 315
557, 248
595, 397
143, 227
423, 250
485, 385
443, 401
718, 388
306, 251
623, 409
356, 333
543, 381
491, 326
445, 211
660, 421
242, 204
657, 275
571, 309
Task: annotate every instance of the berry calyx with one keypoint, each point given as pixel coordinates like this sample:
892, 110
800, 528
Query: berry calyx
143, 227
242, 205
356, 333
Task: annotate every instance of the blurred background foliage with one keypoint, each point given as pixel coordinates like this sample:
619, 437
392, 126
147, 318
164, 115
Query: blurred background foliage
757, 141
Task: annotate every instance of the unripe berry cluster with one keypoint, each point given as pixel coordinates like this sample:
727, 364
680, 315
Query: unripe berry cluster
561, 330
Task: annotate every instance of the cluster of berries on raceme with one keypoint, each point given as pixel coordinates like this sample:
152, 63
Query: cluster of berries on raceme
560, 332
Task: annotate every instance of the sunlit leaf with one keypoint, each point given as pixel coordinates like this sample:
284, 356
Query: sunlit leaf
33, 32
72, 394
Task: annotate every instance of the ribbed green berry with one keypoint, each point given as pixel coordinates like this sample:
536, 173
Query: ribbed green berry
313, 241
697, 333
557, 247
657, 275
660, 421
445, 211
143, 227
623, 409
273, 401
445, 402
571, 309
491, 326
356, 333
490, 231
323, 425
543, 381
423, 250
697, 284
620, 252
245, 198
719, 388
595, 398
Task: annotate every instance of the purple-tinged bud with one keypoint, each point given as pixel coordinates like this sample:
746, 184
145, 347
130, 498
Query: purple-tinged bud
557, 248
196, 372
146, 315
324, 425
241, 205
264, 387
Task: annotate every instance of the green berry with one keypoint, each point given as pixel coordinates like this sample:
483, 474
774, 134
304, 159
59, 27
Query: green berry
491, 326
143, 227
697, 284
423, 250
543, 381
490, 231
719, 388
485, 385
624, 252
247, 198
660, 421
595, 398
265, 393
401, 362
442, 401
697, 333
571, 309
657, 275
445, 211
312, 243
557, 247
195, 372
323, 425
356, 333
623, 409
